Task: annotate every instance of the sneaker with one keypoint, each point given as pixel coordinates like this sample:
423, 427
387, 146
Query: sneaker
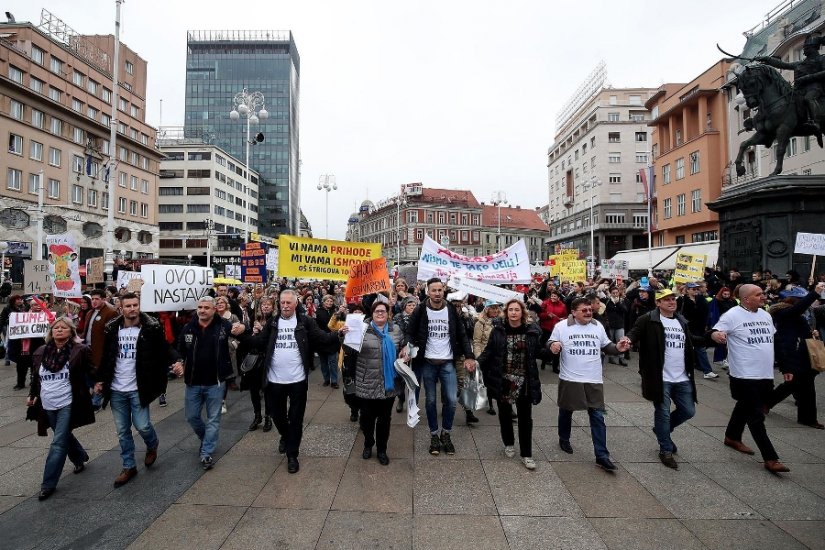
447, 443
207, 462
224, 410
162, 400
710, 375
606, 464
725, 364
668, 460
528, 462
435, 445
509, 451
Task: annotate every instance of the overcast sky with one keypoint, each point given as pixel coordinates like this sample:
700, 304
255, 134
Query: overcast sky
453, 93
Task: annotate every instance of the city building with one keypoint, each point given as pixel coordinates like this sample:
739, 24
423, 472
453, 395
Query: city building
200, 196
221, 64
601, 143
56, 112
689, 135
451, 217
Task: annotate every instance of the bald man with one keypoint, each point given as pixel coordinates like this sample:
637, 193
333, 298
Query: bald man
748, 331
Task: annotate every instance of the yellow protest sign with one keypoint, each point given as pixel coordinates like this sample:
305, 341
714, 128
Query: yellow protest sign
689, 268
305, 258
572, 270
368, 278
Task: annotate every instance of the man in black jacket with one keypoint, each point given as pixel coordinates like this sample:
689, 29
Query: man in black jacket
132, 374
694, 308
441, 338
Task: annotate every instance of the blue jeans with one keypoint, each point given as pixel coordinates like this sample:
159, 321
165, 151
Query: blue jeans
449, 394
664, 421
127, 411
702, 359
329, 367
63, 444
195, 399
598, 431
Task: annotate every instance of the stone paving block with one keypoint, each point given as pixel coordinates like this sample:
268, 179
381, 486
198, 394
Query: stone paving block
461, 437
611, 418
451, 487
806, 439
703, 445
11, 433
810, 476
741, 534
644, 534
631, 444
809, 533
688, 493
518, 491
776, 497
12, 457
708, 416
605, 494
257, 443
528, 533
282, 529
400, 445
548, 441
545, 414
639, 414
616, 393
237, 484
190, 526
370, 487
788, 452
490, 447
328, 440
7, 503
357, 530
312, 488
476, 532
332, 411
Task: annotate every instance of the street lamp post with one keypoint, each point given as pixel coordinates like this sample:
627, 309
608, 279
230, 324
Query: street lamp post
252, 106
593, 184
4, 247
499, 198
327, 183
400, 201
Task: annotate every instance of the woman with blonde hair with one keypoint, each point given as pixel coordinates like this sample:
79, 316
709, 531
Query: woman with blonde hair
490, 315
59, 390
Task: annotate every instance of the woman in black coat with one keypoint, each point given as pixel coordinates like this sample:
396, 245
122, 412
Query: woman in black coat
508, 364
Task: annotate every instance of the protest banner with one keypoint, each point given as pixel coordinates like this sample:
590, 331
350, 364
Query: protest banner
253, 262
306, 258
409, 273
135, 285
272, 260
810, 243
368, 278
173, 287
28, 324
63, 266
94, 270
37, 278
572, 270
485, 290
689, 268
612, 269
511, 265
231, 271
123, 278
257, 237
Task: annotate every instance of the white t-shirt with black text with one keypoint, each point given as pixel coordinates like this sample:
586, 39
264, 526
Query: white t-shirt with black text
674, 368
125, 372
581, 351
55, 388
286, 366
438, 334
750, 342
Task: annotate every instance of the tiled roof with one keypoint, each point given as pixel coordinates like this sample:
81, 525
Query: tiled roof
447, 197
519, 218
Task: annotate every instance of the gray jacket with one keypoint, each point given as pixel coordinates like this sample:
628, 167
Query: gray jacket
369, 366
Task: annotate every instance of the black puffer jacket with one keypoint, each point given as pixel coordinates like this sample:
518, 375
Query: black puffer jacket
418, 329
790, 350
493, 357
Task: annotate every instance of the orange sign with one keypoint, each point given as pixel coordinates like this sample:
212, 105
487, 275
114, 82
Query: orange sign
368, 278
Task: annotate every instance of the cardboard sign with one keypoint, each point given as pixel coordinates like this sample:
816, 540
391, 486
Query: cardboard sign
272, 260
810, 243
612, 269
689, 268
253, 262
134, 285
28, 324
37, 278
572, 270
305, 258
368, 278
511, 265
173, 287
123, 278
94, 270
232, 271
63, 266
485, 290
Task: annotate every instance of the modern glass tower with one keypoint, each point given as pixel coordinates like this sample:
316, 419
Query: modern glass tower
219, 64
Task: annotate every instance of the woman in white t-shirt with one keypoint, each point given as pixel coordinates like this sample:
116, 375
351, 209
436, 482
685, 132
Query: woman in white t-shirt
59, 390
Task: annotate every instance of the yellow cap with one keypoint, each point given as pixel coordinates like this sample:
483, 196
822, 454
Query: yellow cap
664, 293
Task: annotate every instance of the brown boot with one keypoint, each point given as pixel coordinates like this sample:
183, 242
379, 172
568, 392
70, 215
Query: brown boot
124, 477
151, 457
775, 467
739, 446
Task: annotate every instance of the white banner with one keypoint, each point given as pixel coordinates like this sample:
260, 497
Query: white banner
810, 243
511, 265
63, 266
123, 278
231, 271
173, 287
28, 325
272, 260
614, 268
485, 290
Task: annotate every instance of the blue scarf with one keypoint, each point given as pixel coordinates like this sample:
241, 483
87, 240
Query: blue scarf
388, 355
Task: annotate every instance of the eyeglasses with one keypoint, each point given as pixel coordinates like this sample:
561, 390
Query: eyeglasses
585, 310
381, 311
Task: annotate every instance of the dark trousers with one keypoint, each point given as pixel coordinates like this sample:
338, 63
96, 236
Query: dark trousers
24, 365
524, 408
288, 420
375, 422
804, 391
751, 396
255, 382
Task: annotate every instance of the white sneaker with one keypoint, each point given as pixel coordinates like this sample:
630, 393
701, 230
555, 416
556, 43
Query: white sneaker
725, 364
223, 408
528, 462
509, 451
711, 374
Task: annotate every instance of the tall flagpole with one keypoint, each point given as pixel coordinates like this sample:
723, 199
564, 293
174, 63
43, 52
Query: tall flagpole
649, 217
109, 263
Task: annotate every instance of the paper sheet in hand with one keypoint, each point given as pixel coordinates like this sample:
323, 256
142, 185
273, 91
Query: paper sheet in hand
412, 408
357, 326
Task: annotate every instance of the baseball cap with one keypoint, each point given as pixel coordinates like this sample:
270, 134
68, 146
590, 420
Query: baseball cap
491, 303
644, 289
664, 293
691, 285
795, 292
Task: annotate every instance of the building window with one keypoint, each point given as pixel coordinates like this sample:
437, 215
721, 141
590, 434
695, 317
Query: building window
641, 157
38, 55
694, 162
77, 164
133, 183
123, 178
122, 104
635, 99
91, 112
196, 174
680, 204
614, 137
35, 151
198, 209
91, 198
680, 168
77, 105
667, 211
639, 221
134, 111
130, 69
54, 189
121, 205
15, 74
15, 144
34, 184
56, 66
613, 217
38, 118
104, 200
144, 210
78, 136
174, 191
615, 178
641, 136
57, 126
55, 156
613, 100
144, 187
36, 84
412, 216
77, 78
614, 158
14, 179
133, 208
680, 239
107, 95
666, 174
77, 194
613, 117
696, 200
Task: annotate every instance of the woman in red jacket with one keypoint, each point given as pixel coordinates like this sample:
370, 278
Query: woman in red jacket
553, 310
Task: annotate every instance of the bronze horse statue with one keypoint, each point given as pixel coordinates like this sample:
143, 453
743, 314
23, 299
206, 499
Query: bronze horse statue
780, 113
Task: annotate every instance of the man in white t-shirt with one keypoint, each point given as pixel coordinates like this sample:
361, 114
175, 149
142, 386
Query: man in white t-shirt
666, 361
748, 331
581, 341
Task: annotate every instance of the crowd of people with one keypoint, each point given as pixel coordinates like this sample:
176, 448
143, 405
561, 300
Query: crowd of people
102, 351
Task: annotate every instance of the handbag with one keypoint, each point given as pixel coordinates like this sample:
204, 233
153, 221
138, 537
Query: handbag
474, 392
816, 351
349, 386
251, 362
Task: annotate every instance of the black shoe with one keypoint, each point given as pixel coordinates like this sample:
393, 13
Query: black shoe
267, 424
435, 445
606, 464
675, 450
491, 411
45, 493
367, 453
447, 443
668, 460
334, 385
566, 446
383, 458
326, 383
543, 366
556, 370
353, 417
19, 387
78, 468
282, 446
399, 407
207, 463
255, 423
292, 465
471, 417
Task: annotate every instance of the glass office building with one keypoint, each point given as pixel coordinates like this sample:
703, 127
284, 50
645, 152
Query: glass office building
220, 64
